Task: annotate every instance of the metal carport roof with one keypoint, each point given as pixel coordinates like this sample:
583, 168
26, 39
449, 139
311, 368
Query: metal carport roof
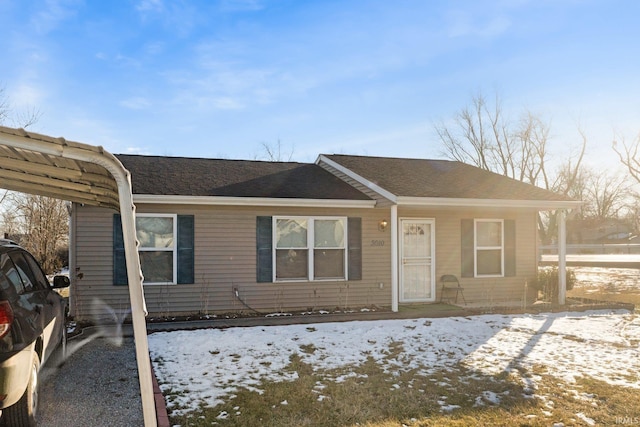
82, 173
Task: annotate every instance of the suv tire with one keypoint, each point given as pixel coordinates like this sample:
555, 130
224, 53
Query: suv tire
23, 412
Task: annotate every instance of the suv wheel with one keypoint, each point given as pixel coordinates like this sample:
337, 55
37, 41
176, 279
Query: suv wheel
23, 412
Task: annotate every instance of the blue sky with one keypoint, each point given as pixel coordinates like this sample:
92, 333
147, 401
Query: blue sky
220, 78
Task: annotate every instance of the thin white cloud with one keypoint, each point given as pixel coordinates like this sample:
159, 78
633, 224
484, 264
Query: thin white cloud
154, 48
136, 150
178, 17
26, 95
241, 5
224, 86
136, 103
226, 103
467, 24
53, 14
406, 141
145, 6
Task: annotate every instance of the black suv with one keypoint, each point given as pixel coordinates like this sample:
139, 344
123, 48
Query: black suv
32, 326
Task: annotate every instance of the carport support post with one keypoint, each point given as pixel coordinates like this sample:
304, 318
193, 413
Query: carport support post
562, 256
138, 308
395, 289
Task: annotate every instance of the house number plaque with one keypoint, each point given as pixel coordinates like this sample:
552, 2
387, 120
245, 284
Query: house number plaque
377, 243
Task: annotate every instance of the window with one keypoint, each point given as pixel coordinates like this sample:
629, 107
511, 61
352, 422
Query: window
157, 250
166, 249
489, 247
310, 248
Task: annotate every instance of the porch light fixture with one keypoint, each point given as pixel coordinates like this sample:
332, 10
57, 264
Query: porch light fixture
382, 225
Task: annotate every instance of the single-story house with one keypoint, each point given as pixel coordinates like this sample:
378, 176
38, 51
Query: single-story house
219, 236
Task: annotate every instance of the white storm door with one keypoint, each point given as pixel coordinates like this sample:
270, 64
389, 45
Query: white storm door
417, 260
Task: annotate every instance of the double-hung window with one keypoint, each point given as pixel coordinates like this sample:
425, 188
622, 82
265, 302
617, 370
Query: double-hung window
310, 248
158, 252
166, 249
489, 247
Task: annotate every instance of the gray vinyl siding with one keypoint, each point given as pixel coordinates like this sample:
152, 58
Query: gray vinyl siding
489, 291
225, 259
92, 263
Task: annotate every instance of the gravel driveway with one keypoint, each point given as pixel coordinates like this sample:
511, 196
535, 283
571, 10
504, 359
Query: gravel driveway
97, 386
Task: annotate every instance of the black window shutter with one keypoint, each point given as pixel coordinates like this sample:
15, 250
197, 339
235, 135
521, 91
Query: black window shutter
354, 226
186, 249
119, 259
466, 243
264, 246
509, 247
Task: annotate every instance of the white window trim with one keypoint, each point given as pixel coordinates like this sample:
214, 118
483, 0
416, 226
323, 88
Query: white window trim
174, 248
477, 248
310, 247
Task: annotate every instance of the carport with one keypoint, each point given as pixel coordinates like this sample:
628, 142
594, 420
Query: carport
81, 173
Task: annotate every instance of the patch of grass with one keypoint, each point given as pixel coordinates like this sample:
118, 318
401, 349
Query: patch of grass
625, 295
614, 285
368, 396
308, 348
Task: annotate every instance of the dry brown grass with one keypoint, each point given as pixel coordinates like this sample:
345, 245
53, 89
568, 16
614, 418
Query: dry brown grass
626, 296
615, 284
372, 398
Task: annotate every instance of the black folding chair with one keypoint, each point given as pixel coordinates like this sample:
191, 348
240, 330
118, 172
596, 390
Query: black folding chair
450, 284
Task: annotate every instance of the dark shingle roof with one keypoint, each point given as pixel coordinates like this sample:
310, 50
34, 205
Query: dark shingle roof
157, 175
440, 178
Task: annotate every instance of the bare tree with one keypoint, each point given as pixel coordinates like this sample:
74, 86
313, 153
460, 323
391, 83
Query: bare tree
607, 195
629, 156
632, 214
483, 136
40, 224
4, 107
16, 118
275, 152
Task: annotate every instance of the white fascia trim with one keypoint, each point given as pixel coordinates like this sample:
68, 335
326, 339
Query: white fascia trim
251, 201
362, 180
487, 203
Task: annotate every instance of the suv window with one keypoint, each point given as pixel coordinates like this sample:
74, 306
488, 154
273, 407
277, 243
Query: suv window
32, 280
38, 275
11, 275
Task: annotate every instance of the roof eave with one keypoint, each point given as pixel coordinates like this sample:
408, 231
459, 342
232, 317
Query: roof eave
362, 180
251, 201
488, 203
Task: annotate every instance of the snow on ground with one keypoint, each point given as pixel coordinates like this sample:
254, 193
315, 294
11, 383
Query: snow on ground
611, 280
213, 364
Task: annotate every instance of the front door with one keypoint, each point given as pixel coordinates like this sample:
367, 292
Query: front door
417, 260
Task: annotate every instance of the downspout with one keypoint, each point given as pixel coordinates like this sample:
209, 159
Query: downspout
73, 274
395, 291
562, 256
